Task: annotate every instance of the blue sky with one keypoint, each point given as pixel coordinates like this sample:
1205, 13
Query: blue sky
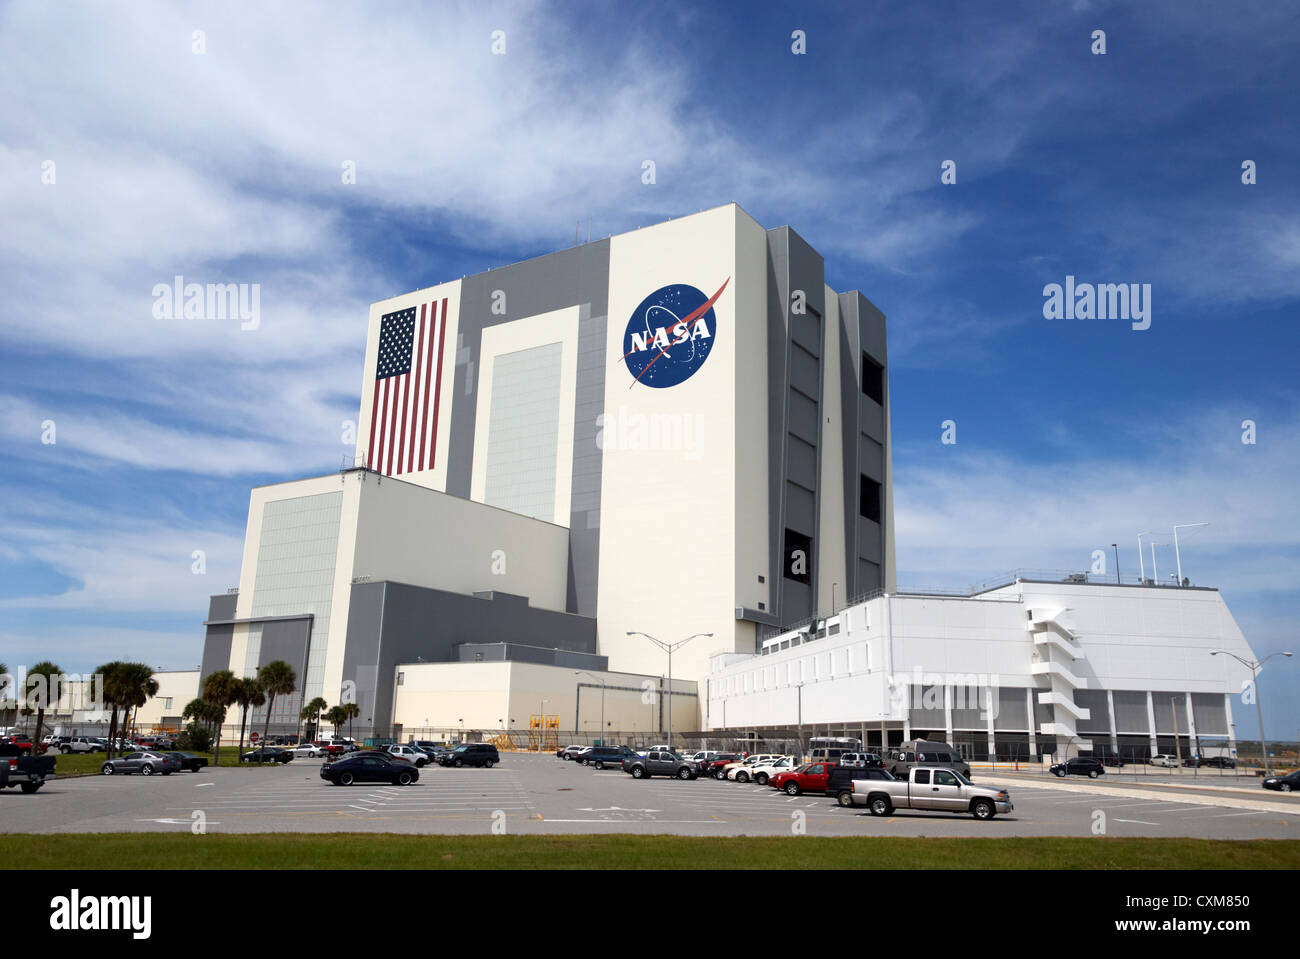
225, 166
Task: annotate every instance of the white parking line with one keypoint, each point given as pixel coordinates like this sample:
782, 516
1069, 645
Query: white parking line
1224, 815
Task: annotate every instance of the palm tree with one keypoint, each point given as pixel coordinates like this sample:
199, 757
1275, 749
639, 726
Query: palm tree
49, 673
336, 717
247, 693
311, 713
202, 712
139, 687
113, 690
351, 711
278, 679
219, 690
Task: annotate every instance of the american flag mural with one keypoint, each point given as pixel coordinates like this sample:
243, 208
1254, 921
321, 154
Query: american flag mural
408, 383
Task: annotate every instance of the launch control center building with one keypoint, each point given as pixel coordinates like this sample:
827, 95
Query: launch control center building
677, 432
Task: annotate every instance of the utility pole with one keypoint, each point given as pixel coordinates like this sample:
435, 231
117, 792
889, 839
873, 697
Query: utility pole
1254, 667
668, 648
1178, 749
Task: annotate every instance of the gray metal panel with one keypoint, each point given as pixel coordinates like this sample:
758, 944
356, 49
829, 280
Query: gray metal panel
778, 297
589, 404
871, 460
414, 624
800, 515
216, 650
1211, 717
577, 276
804, 421
222, 606
803, 463
871, 418
868, 576
870, 541
1012, 712
286, 640
850, 390
1095, 701
1131, 711
805, 371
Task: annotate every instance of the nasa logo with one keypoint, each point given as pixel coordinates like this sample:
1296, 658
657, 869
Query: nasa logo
670, 335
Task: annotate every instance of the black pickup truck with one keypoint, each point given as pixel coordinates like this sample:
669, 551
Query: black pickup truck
29, 772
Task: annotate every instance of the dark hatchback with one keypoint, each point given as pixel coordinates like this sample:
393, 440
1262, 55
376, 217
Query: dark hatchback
472, 754
189, 761
1288, 784
608, 756
267, 754
1079, 766
369, 768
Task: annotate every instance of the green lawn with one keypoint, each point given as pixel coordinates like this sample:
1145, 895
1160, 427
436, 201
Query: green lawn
388, 851
82, 764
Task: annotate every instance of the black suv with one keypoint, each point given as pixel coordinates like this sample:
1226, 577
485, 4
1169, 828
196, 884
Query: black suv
1079, 766
840, 782
659, 762
471, 754
602, 756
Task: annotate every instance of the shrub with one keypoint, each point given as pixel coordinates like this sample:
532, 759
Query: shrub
195, 739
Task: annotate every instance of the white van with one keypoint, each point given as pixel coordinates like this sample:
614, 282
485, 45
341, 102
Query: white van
1164, 760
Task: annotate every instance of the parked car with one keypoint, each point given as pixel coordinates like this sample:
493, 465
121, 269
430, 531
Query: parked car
1288, 783
334, 749
569, 752
21, 769
21, 743
859, 760
472, 754
710, 766
369, 767
931, 788
408, 753
659, 762
431, 749
1079, 766
146, 763
810, 777
1163, 760
267, 754
761, 772
308, 751
189, 761
602, 756
1219, 762
82, 744
723, 771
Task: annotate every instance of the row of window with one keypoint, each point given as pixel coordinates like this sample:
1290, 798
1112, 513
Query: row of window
837, 662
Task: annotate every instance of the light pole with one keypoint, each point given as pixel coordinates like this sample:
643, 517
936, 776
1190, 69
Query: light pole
1155, 571
668, 647
541, 729
1254, 667
1177, 557
583, 672
1142, 571
1115, 547
1178, 749
833, 585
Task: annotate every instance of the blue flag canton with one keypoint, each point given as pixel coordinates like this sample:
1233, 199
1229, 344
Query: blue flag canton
396, 338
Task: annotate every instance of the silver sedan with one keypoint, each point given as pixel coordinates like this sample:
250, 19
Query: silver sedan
145, 763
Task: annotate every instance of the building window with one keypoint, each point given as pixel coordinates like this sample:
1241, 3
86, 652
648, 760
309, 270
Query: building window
873, 379
869, 498
401, 679
798, 557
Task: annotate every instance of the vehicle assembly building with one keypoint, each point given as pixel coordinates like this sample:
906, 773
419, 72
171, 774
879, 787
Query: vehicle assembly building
678, 435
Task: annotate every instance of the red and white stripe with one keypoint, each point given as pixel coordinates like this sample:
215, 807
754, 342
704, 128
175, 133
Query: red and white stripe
404, 409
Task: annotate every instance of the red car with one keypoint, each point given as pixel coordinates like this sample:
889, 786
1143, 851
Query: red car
331, 749
21, 744
808, 778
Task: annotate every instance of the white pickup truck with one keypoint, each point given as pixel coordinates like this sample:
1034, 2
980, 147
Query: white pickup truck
931, 788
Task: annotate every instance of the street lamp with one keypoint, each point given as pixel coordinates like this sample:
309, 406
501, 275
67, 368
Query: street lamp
583, 672
1254, 667
1177, 557
1115, 547
1142, 571
668, 647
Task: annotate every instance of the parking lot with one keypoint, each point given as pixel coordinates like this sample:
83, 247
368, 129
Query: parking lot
541, 794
